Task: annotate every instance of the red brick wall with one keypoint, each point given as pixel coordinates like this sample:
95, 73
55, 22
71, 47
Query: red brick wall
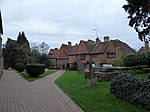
84, 60
102, 58
72, 59
53, 62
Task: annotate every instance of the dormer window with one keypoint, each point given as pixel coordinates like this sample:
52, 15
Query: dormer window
110, 55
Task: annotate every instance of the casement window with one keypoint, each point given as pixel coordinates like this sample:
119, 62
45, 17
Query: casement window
95, 55
110, 55
81, 56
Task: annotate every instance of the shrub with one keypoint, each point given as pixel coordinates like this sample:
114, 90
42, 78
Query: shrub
119, 60
73, 66
132, 89
142, 97
35, 70
20, 67
125, 85
137, 59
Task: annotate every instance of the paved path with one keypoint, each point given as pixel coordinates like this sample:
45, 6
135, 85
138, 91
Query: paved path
18, 95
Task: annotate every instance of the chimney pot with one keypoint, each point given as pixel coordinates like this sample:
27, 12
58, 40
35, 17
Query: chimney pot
97, 40
69, 43
106, 39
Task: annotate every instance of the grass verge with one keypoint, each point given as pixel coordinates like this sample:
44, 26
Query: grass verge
96, 98
30, 79
140, 74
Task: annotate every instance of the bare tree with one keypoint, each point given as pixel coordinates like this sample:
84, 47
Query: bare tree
44, 48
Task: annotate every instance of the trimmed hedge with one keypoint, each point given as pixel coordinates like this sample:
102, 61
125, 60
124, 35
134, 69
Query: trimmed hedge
133, 89
35, 70
20, 67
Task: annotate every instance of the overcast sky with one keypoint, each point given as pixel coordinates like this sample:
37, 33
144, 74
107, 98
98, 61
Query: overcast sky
59, 21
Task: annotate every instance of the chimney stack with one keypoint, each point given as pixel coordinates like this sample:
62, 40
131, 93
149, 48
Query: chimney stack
146, 45
69, 43
106, 39
97, 40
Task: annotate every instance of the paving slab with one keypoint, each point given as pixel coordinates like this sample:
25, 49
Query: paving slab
43, 95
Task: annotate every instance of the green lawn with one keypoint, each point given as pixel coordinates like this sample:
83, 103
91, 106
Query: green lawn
93, 99
139, 73
30, 79
142, 75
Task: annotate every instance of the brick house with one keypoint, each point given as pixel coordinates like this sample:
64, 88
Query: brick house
72, 54
58, 58
99, 52
105, 52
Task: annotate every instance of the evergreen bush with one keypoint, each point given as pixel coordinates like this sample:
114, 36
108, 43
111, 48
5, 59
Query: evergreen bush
131, 88
137, 59
142, 97
19, 67
35, 70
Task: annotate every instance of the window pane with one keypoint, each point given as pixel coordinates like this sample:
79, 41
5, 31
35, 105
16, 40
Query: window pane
111, 55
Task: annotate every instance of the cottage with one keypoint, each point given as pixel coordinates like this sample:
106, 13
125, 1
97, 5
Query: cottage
98, 52
58, 58
105, 52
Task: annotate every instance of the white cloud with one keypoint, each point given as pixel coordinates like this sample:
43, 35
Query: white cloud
57, 21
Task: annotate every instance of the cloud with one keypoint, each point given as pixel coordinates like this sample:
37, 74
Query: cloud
57, 21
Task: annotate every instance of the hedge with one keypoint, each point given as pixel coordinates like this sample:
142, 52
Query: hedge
132, 89
137, 59
35, 70
20, 67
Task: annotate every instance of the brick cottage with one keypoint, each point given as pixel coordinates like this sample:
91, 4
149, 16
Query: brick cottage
99, 52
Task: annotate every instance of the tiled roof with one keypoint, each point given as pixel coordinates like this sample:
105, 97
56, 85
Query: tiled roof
100, 48
123, 46
73, 50
143, 50
65, 47
58, 54
90, 47
111, 46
